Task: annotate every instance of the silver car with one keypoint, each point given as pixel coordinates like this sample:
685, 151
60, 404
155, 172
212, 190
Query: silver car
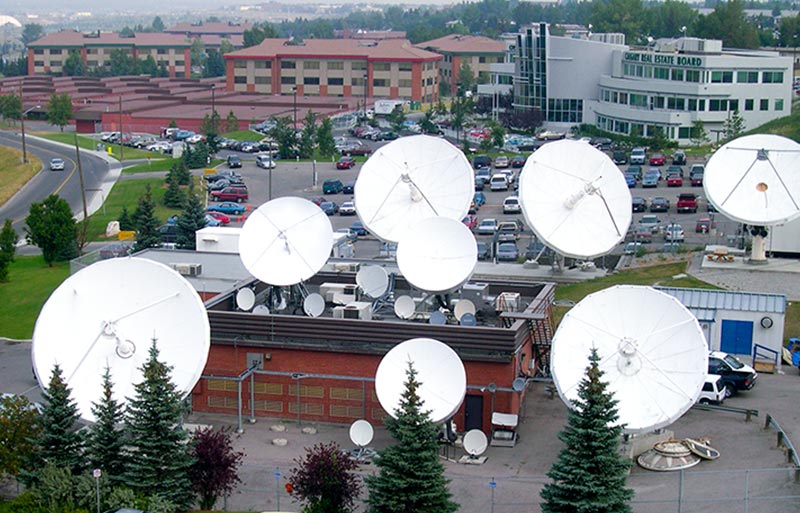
56, 164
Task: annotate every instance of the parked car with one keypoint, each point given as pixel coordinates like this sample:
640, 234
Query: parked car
480, 183
674, 180
479, 161
265, 161
638, 156
704, 225
511, 205
483, 251
499, 182
329, 207
479, 199
168, 233
219, 216
736, 375
518, 161
657, 159
641, 234
638, 204
507, 231
714, 390
696, 178
348, 208
487, 226
679, 158
673, 232
675, 170
619, 157
653, 223
56, 164
635, 171
359, 228
319, 200
687, 203
345, 163
356, 149
349, 235
332, 186
227, 207
212, 221
232, 193
659, 204
501, 161
507, 252
348, 187
470, 221
631, 248
630, 180
234, 161
650, 180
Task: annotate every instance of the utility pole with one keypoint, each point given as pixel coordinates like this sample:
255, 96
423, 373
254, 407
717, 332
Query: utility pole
121, 146
22, 123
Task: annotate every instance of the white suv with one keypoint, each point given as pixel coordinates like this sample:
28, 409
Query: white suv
511, 205
638, 156
714, 391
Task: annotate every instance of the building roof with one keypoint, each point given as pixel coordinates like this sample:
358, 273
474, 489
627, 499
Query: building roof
369, 34
219, 271
706, 299
209, 28
464, 44
73, 38
387, 49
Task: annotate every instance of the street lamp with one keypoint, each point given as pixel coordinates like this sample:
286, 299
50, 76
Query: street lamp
213, 109
366, 78
294, 106
22, 127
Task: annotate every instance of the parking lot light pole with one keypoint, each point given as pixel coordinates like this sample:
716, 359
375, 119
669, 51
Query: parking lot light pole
22, 129
366, 78
294, 107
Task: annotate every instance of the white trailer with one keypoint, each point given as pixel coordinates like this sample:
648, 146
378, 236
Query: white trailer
385, 107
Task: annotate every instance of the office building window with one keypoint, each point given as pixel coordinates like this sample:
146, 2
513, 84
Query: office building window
380, 82
335, 65
310, 64
676, 74
263, 64
684, 132
733, 105
772, 77
404, 66
55, 64
55, 51
406, 83
381, 66
638, 100
288, 64
721, 77
161, 51
778, 104
287, 80
692, 75
661, 73
239, 80
311, 80
763, 104
335, 81
748, 104
358, 65
717, 105
239, 64
262, 80
747, 77
179, 63
676, 103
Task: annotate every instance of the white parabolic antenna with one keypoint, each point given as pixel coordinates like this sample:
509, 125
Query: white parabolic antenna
106, 316
575, 199
464, 306
651, 348
404, 307
411, 179
755, 179
373, 280
475, 442
361, 432
314, 305
439, 370
285, 241
245, 299
439, 255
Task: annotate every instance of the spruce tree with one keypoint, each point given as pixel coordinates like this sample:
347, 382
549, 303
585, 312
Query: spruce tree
159, 461
105, 447
60, 443
174, 196
8, 248
411, 478
183, 173
147, 235
589, 474
125, 221
192, 219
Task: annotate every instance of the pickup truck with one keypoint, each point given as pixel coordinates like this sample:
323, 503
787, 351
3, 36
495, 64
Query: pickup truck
687, 202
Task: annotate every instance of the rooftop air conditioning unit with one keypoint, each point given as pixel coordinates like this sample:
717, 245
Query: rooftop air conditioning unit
358, 310
188, 269
508, 302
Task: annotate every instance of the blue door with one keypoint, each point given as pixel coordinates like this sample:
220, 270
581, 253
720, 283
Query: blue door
737, 337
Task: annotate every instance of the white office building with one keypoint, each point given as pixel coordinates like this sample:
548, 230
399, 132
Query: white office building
667, 86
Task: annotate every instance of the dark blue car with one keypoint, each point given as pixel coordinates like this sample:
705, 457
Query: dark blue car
359, 228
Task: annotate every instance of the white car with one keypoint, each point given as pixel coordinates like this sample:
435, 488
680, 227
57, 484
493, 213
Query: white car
348, 208
511, 205
160, 146
673, 232
56, 164
194, 139
265, 161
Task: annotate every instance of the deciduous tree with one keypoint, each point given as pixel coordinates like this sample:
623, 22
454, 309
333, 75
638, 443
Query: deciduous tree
325, 141
325, 480
59, 109
51, 227
216, 464
20, 427
73, 65
259, 33
309, 135
31, 32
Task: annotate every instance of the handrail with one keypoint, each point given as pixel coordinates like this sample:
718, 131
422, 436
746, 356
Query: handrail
784, 443
765, 352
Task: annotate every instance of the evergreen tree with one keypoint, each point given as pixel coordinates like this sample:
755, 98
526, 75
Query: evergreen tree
105, 447
309, 135
589, 475
231, 122
698, 133
8, 248
147, 234
59, 443
74, 66
183, 173
159, 461
157, 25
125, 221
192, 219
174, 196
325, 141
411, 478
51, 227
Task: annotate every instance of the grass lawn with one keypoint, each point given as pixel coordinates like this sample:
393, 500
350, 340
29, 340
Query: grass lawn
161, 165
30, 284
13, 173
91, 144
244, 135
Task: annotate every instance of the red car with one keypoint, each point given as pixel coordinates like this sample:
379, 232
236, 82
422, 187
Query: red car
318, 201
470, 221
345, 163
219, 216
674, 181
657, 159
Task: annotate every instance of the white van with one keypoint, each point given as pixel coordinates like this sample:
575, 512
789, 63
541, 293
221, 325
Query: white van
714, 391
499, 182
265, 160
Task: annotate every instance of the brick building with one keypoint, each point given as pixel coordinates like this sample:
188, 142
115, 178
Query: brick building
391, 68
477, 51
48, 54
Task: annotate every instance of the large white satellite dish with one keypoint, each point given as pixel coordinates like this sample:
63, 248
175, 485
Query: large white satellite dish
439, 371
373, 280
285, 241
575, 199
755, 179
361, 432
411, 179
107, 315
438, 255
314, 305
651, 349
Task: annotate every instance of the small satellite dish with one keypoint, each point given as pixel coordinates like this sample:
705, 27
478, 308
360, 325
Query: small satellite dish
245, 299
754, 179
314, 305
107, 315
411, 179
361, 433
373, 280
404, 307
438, 318
285, 241
438, 255
575, 199
261, 310
439, 371
468, 319
475, 442
518, 385
652, 351
464, 306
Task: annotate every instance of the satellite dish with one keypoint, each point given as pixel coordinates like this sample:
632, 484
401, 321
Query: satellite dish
314, 305
468, 319
285, 241
464, 306
475, 442
518, 385
443, 381
404, 307
373, 280
107, 315
361, 433
261, 310
438, 318
575, 199
651, 349
439, 255
411, 179
245, 299
754, 179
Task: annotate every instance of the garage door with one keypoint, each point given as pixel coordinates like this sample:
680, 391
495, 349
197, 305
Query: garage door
737, 337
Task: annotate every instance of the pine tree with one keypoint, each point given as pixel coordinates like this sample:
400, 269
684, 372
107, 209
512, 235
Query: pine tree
589, 475
159, 461
411, 478
174, 196
183, 173
60, 443
325, 140
125, 221
147, 235
105, 447
192, 219
8, 248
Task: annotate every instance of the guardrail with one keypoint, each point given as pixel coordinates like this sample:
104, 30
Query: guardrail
748, 414
785, 444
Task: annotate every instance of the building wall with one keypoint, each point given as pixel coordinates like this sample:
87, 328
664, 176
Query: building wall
771, 337
51, 60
